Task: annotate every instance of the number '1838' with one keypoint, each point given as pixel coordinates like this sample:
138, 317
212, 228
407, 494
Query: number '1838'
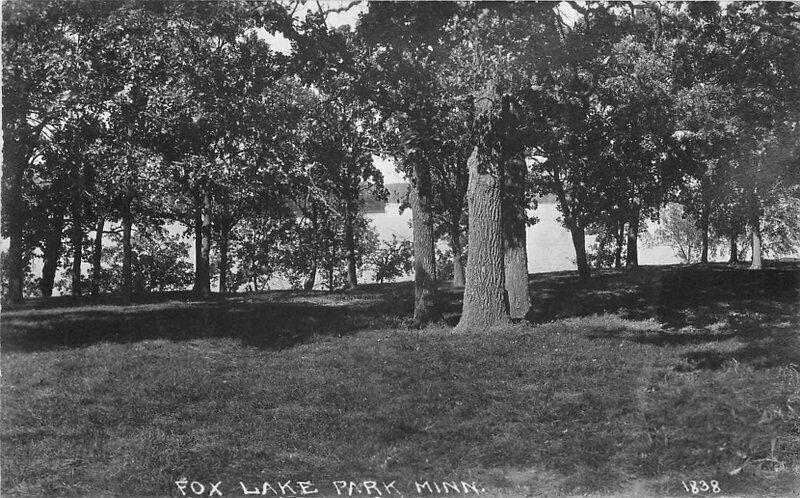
696, 487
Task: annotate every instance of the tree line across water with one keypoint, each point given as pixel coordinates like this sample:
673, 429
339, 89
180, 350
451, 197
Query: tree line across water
122, 117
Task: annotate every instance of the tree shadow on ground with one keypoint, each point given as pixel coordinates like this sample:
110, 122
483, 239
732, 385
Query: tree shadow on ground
271, 320
692, 306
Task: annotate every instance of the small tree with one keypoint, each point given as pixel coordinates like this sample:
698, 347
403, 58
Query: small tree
680, 232
392, 260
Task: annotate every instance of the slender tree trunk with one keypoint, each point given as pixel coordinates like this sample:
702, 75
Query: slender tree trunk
204, 265
350, 246
426, 307
619, 236
332, 266
223, 257
515, 256
97, 254
77, 229
757, 264
579, 242
14, 211
312, 271
458, 256
52, 253
632, 259
485, 300
127, 249
198, 246
312, 274
734, 250
704, 216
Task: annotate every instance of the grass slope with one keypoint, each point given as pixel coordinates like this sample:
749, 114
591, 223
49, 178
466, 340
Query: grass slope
630, 383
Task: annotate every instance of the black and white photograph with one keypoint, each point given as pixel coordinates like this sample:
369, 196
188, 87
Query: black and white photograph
326, 248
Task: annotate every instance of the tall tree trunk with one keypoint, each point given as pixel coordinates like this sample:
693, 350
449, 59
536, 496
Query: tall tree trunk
734, 250
426, 308
619, 238
485, 301
223, 257
127, 248
579, 242
14, 211
76, 240
704, 217
51, 253
97, 254
350, 246
332, 266
198, 245
515, 256
458, 256
312, 274
632, 256
312, 271
757, 264
204, 263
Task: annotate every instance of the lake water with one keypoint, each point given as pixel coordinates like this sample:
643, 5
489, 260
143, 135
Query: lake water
549, 243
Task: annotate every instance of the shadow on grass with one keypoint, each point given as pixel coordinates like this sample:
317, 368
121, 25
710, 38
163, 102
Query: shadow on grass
692, 304
270, 320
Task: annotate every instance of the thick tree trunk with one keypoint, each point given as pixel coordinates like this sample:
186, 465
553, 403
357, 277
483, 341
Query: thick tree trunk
127, 249
97, 254
458, 255
579, 242
204, 263
485, 301
734, 257
632, 256
515, 256
223, 258
757, 264
426, 307
350, 247
51, 253
619, 238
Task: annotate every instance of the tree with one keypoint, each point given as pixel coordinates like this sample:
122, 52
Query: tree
392, 260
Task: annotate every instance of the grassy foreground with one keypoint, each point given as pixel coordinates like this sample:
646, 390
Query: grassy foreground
633, 383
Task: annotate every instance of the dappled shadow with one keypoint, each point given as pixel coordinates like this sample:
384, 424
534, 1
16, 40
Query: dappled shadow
271, 320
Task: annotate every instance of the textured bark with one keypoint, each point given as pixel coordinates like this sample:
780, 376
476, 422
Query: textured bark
350, 247
127, 249
619, 237
458, 256
97, 254
515, 256
485, 302
579, 242
734, 250
51, 253
204, 263
312, 274
425, 300
757, 264
632, 257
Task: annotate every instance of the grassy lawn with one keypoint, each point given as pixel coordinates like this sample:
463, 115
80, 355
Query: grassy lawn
630, 383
